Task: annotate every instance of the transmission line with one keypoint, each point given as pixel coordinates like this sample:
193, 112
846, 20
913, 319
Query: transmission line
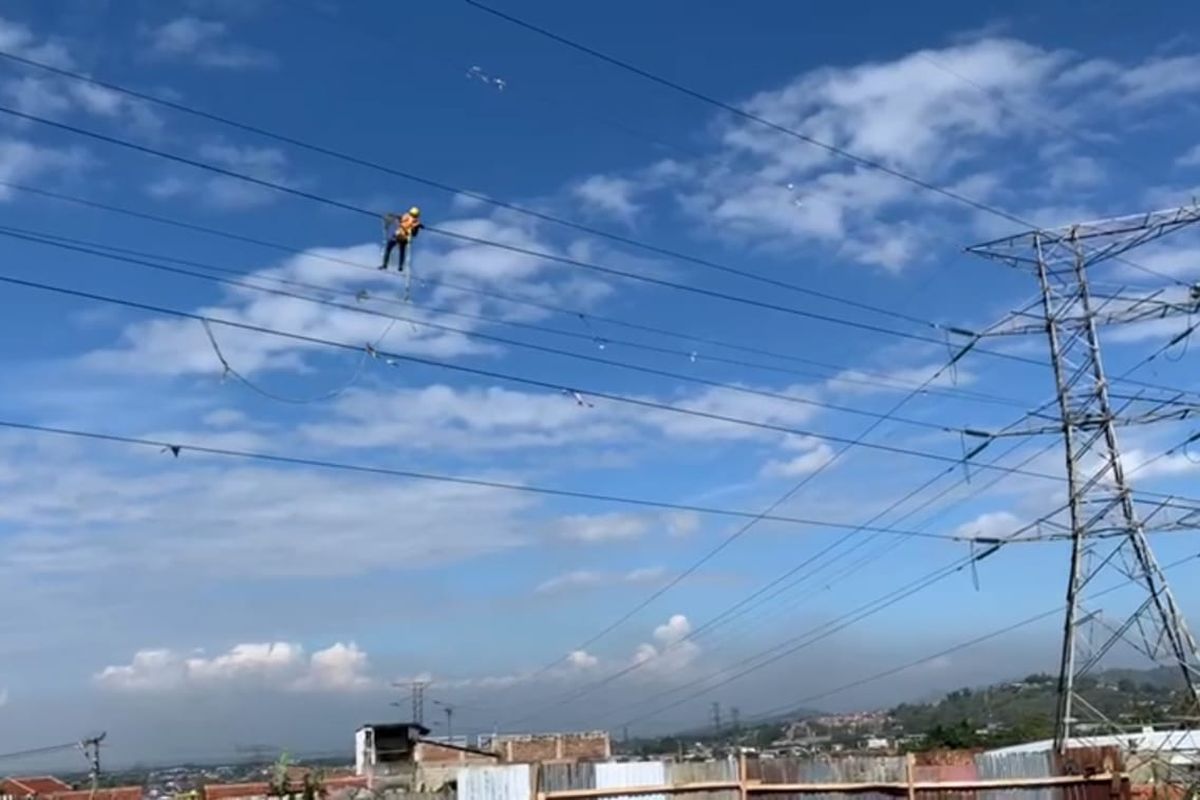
794, 644
647, 279
740, 609
177, 449
574, 391
838, 369
534, 253
887, 673
732, 612
82, 246
442, 186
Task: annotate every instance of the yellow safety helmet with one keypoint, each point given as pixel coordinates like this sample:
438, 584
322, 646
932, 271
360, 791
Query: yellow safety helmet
416, 212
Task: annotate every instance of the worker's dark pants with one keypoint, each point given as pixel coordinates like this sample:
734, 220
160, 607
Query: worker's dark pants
395, 243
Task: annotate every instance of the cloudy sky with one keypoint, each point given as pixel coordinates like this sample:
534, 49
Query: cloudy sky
190, 602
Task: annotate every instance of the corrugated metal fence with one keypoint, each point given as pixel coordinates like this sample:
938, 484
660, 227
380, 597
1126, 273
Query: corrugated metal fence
864, 778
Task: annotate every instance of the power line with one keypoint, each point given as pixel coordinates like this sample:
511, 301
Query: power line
948, 651
724, 616
83, 246
574, 391
832, 149
835, 150
647, 279
179, 448
868, 378
442, 186
794, 644
541, 255
739, 609
37, 751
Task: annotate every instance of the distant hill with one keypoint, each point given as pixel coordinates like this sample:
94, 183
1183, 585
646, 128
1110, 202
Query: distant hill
1023, 710
990, 716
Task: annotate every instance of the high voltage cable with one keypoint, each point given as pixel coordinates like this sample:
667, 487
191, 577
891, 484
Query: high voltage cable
774, 654
176, 447
509, 206
729, 614
733, 612
81, 246
692, 568
973, 338
725, 616
837, 369
835, 150
572, 390
648, 279
832, 149
948, 651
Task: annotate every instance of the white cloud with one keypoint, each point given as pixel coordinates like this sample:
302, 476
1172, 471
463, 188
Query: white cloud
813, 458
22, 161
71, 516
592, 579
279, 666
19, 39
223, 192
1190, 158
942, 116
1075, 172
892, 379
682, 524
492, 418
206, 42
1148, 466
581, 659
608, 196
989, 525
670, 652
339, 668
1159, 78
45, 95
594, 528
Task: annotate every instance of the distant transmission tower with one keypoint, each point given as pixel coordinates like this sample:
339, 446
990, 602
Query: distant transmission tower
1108, 537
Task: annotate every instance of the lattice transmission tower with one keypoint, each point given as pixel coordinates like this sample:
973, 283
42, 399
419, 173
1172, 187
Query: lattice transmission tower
1104, 524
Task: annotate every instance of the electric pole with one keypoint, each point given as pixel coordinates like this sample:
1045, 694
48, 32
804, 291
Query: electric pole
716, 718
417, 687
91, 751
449, 710
1106, 529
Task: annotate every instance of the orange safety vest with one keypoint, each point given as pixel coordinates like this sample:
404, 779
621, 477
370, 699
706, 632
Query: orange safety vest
407, 227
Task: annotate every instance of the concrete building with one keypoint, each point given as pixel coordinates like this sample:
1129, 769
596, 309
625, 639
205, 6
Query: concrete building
384, 748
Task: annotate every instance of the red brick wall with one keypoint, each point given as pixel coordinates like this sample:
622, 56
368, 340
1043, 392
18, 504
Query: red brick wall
433, 753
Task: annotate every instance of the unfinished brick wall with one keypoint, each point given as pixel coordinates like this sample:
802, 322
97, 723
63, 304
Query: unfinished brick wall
434, 753
586, 746
530, 749
537, 748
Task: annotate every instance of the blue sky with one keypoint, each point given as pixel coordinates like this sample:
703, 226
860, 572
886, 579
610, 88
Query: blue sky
144, 589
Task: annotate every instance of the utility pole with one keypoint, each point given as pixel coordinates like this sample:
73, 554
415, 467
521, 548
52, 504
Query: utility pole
449, 710
91, 751
417, 688
716, 718
1106, 529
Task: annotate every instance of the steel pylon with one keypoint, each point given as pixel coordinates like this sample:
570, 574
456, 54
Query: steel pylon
1107, 533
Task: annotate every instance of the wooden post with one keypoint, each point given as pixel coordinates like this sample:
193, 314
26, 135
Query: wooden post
743, 778
910, 772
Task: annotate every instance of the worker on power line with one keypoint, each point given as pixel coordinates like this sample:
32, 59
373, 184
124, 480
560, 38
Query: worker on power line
400, 237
